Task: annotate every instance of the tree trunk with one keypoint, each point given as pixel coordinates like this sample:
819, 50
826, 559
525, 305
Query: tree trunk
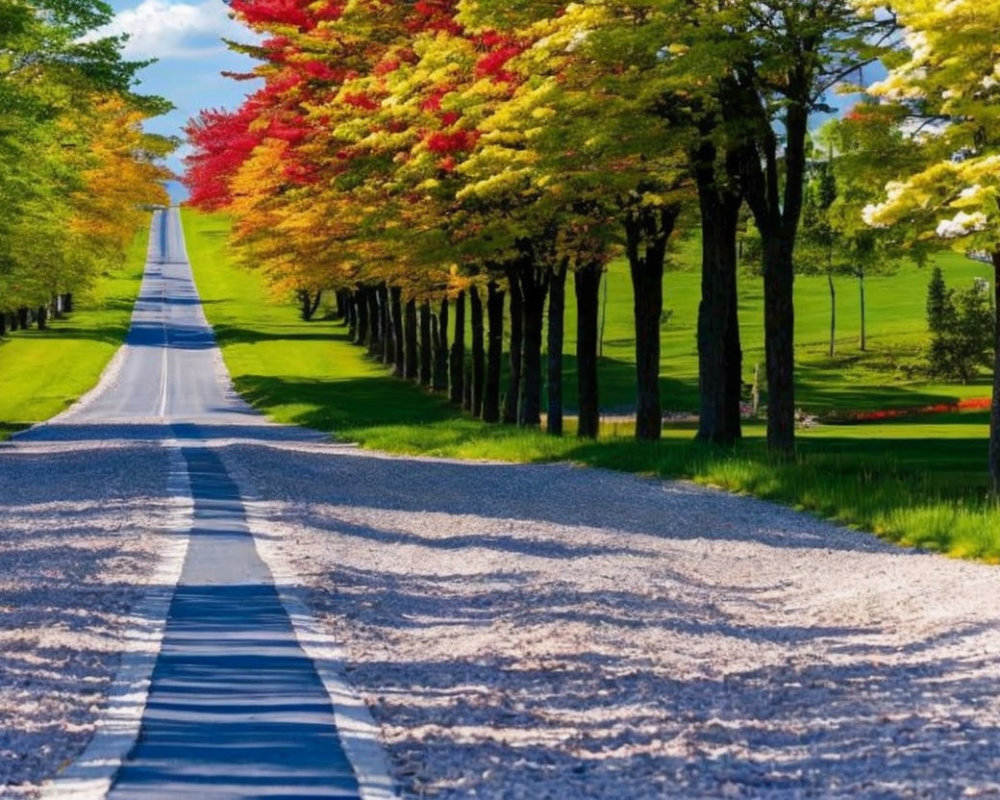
426, 345
587, 281
779, 346
362, 317
510, 413
23, 318
374, 340
534, 289
308, 304
833, 315
412, 367
647, 233
457, 394
734, 363
478, 374
385, 323
68, 302
864, 321
350, 315
398, 337
556, 341
42, 317
995, 405
494, 356
720, 357
441, 349
341, 304
3, 324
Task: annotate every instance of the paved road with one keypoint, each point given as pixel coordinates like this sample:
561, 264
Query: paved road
236, 708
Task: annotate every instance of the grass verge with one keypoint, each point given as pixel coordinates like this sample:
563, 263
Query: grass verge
920, 481
46, 371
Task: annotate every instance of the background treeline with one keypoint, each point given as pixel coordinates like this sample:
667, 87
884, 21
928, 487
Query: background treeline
77, 173
441, 159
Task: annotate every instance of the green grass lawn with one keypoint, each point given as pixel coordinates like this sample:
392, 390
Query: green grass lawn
45, 371
920, 481
881, 377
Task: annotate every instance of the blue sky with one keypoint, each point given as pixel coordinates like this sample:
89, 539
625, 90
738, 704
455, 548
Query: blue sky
186, 40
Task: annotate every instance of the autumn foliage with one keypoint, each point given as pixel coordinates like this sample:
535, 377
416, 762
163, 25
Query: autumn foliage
77, 171
433, 160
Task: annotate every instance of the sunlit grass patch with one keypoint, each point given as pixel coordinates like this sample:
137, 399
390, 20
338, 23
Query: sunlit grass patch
44, 372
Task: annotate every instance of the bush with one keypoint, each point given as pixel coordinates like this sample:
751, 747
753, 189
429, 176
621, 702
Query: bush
962, 327
937, 301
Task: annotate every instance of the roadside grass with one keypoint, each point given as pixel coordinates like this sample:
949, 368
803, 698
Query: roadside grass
46, 371
920, 481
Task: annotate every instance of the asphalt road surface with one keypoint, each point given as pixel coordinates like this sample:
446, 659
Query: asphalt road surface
235, 707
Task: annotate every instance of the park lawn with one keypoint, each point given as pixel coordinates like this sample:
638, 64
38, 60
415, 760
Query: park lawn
886, 376
46, 371
919, 481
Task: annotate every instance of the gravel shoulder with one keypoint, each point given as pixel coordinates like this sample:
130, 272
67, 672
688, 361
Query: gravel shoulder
70, 571
553, 632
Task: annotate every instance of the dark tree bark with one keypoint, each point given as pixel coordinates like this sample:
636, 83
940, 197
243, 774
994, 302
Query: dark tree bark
42, 317
587, 280
534, 283
510, 408
556, 343
478, 373
362, 334
374, 340
647, 232
13, 318
341, 304
995, 405
308, 303
457, 361
467, 387
3, 324
68, 302
777, 212
398, 341
412, 366
426, 345
23, 318
720, 358
351, 315
388, 352
494, 356
440, 380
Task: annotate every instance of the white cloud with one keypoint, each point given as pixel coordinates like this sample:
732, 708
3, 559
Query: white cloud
165, 29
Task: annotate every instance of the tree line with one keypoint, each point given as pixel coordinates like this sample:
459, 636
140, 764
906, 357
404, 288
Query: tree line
436, 159
77, 172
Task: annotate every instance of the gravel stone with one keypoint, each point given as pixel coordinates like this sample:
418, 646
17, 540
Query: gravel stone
555, 632
70, 570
